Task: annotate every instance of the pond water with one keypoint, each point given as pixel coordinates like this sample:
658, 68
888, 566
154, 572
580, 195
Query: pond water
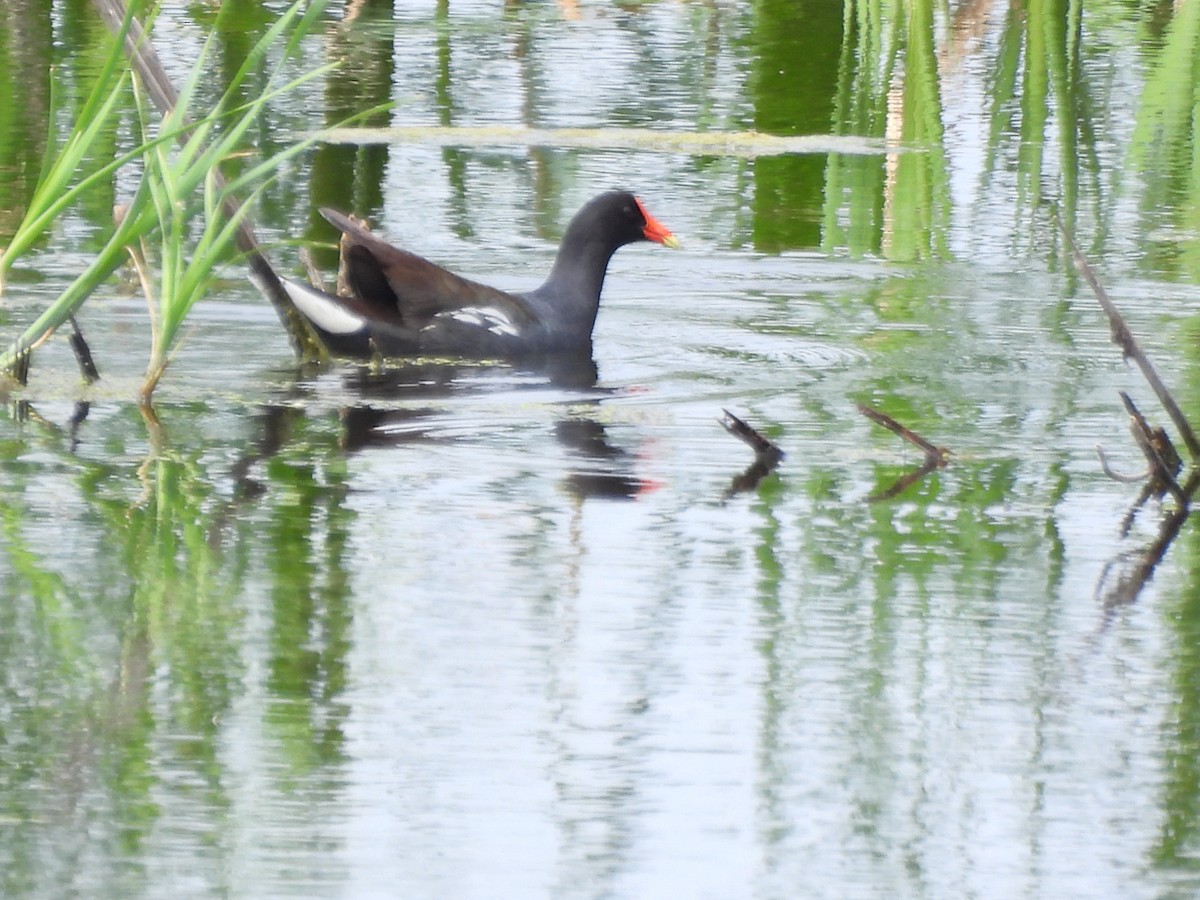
466, 630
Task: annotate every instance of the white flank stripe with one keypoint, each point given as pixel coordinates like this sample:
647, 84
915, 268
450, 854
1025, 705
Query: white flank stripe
323, 310
484, 317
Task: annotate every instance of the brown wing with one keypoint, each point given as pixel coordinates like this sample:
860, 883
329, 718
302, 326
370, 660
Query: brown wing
397, 281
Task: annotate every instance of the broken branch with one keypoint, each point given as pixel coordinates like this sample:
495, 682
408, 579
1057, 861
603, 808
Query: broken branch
1124, 338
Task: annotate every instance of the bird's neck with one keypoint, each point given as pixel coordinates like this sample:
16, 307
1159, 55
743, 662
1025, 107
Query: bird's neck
577, 277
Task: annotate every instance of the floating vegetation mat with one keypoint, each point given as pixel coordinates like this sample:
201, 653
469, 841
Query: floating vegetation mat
713, 143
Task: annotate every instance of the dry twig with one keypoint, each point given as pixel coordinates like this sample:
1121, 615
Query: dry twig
1124, 339
940, 455
767, 454
83, 354
935, 457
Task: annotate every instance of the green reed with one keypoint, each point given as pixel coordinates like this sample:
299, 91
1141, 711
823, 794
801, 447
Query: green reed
182, 205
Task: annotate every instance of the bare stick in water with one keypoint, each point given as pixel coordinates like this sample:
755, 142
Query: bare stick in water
935, 457
939, 456
767, 454
1124, 339
758, 442
1157, 448
83, 354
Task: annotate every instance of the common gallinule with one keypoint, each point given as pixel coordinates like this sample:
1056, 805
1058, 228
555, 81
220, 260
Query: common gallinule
402, 304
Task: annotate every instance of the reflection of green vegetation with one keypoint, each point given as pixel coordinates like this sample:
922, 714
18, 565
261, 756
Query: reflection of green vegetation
347, 176
310, 593
917, 205
1165, 146
1042, 97
117, 681
85, 685
70, 170
25, 42
1179, 832
794, 78
43, 712
901, 206
772, 620
40, 60
1179, 835
856, 182
1045, 38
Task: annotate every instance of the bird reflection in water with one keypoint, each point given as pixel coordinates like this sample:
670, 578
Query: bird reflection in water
598, 469
605, 470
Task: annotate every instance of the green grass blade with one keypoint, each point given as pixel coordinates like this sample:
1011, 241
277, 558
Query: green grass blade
106, 262
166, 199
248, 114
52, 195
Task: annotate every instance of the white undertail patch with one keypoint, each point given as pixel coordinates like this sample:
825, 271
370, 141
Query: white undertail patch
322, 309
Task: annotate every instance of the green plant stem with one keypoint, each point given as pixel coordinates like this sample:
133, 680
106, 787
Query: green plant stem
145, 62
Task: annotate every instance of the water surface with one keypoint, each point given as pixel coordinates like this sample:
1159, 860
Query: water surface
470, 630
